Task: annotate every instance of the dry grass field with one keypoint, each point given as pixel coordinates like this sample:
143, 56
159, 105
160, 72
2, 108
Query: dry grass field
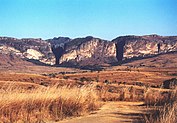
36, 98
39, 94
45, 104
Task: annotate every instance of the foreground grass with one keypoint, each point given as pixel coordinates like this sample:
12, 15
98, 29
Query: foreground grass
166, 112
45, 103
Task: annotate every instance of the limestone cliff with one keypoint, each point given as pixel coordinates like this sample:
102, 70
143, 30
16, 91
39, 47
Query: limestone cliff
141, 46
28, 48
88, 50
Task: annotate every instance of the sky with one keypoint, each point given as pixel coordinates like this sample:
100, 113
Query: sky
106, 19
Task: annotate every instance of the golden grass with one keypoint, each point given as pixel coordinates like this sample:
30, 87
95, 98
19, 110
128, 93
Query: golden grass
45, 103
166, 113
158, 96
32, 102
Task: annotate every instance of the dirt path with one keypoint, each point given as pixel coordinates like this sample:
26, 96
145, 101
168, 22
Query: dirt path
113, 112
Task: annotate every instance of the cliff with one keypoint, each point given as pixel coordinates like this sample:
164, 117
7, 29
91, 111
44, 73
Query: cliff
28, 48
141, 46
88, 51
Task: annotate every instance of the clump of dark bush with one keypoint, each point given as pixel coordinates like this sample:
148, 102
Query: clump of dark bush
170, 84
87, 79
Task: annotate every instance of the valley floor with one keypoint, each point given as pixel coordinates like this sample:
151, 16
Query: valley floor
111, 84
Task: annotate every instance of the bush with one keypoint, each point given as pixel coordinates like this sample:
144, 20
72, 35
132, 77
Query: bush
87, 79
170, 84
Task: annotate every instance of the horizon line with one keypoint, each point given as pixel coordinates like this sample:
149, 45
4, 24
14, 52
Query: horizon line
20, 38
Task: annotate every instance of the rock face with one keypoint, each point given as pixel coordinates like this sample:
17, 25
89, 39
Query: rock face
141, 46
89, 50
28, 48
86, 51
95, 51
58, 47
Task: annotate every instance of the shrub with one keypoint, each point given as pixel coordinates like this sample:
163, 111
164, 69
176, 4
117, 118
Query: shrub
170, 84
87, 79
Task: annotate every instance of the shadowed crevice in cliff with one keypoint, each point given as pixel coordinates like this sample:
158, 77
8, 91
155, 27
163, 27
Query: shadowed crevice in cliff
120, 50
158, 47
58, 51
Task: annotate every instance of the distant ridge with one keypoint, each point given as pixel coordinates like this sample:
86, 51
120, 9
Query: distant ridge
87, 51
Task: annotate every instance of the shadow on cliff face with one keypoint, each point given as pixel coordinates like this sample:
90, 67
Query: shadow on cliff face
158, 47
58, 51
120, 50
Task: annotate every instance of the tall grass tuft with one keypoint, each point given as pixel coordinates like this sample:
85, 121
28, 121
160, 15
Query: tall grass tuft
166, 113
46, 103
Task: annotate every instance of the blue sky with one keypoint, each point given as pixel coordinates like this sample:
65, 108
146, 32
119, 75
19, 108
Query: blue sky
105, 19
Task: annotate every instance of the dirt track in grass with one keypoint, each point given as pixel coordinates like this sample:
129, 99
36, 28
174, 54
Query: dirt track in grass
113, 112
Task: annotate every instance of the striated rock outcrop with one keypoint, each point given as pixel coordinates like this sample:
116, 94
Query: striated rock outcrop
141, 46
95, 51
28, 48
89, 50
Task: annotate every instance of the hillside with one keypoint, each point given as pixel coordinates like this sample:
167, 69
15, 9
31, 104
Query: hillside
167, 60
12, 60
10, 63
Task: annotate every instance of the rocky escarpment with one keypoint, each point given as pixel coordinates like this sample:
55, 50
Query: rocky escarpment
84, 51
29, 48
88, 50
142, 46
95, 51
